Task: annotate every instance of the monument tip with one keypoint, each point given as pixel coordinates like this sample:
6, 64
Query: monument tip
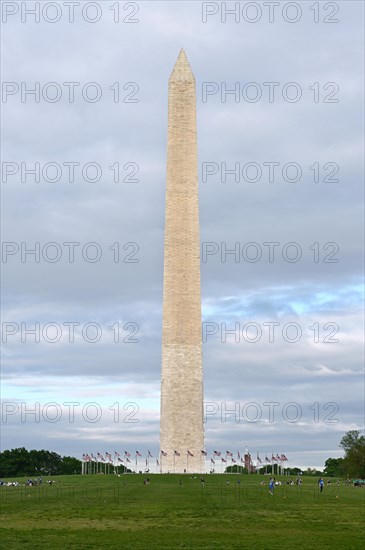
182, 69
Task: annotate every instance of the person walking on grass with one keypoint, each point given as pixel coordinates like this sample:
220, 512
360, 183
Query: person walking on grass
320, 485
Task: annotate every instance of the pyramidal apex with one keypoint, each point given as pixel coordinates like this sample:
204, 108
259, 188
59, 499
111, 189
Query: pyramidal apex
182, 69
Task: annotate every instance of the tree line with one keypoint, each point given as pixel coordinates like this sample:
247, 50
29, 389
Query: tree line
20, 462
353, 463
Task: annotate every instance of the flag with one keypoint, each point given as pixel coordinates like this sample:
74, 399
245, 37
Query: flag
92, 457
267, 459
228, 453
259, 459
224, 460
190, 454
149, 454
128, 460
212, 461
116, 454
138, 453
157, 462
242, 460
204, 453
238, 455
273, 457
146, 461
283, 457
83, 457
234, 461
176, 453
278, 456
163, 453
217, 453
120, 459
108, 454
127, 454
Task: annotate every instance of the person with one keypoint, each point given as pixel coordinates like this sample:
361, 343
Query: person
271, 485
320, 484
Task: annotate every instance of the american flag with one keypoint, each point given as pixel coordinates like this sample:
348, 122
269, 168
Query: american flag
120, 459
127, 454
217, 453
283, 457
116, 454
234, 461
238, 455
259, 459
176, 453
273, 457
138, 453
204, 453
93, 457
278, 456
224, 460
229, 453
267, 459
163, 453
128, 460
149, 454
157, 462
190, 454
108, 454
212, 461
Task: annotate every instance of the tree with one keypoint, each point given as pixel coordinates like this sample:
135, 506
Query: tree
334, 467
235, 469
354, 446
20, 462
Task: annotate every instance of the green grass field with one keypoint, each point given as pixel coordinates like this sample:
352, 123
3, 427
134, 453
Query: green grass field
111, 512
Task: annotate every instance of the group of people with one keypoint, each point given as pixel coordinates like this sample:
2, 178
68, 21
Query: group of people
321, 483
36, 481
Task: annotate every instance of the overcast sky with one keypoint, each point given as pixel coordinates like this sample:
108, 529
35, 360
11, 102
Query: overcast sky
293, 133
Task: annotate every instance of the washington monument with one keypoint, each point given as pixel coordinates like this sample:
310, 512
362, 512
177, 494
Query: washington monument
182, 431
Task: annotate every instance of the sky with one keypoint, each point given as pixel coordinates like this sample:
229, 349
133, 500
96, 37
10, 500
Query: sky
280, 145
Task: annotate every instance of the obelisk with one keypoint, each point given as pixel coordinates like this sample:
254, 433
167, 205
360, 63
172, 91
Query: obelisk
182, 431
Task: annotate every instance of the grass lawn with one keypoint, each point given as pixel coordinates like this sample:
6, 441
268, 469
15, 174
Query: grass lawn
111, 512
